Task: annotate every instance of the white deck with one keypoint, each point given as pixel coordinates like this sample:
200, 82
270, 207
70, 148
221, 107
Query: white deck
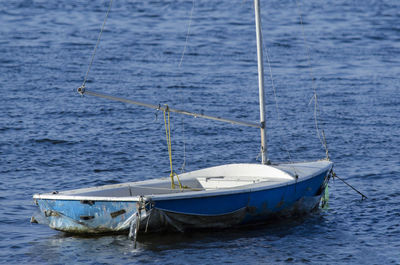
222, 179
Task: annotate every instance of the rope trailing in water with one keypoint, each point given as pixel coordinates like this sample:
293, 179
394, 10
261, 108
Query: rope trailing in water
140, 214
333, 174
168, 136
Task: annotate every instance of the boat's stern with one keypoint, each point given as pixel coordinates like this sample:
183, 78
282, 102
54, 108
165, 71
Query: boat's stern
83, 215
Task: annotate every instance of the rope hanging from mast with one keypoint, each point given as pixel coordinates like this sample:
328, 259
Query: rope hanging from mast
167, 124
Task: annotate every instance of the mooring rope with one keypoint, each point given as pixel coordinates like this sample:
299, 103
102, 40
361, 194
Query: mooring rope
333, 174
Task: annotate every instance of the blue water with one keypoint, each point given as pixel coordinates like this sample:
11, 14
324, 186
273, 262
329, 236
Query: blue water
53, 139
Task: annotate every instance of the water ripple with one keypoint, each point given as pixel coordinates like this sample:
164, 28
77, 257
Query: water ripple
52, 139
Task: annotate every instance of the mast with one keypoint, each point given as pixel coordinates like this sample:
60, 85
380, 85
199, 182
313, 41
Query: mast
264, 157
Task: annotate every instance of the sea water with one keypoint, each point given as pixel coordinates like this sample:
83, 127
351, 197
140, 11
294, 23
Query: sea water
201, 56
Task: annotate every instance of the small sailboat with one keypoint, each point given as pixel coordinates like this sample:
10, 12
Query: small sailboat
216, 197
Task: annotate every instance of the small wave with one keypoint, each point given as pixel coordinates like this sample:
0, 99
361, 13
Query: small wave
52, 141
106, 182
26, 4
97, 170
77, 44
6, 61
10, 129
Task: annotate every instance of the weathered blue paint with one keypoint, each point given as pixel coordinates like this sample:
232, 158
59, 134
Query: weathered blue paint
273, 201
259, 203
115, 216
75, 216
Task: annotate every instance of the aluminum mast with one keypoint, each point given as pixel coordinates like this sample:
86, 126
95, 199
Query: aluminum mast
264, 157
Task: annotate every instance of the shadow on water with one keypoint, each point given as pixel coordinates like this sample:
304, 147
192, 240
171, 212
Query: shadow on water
167, 240
158, 247
271, 230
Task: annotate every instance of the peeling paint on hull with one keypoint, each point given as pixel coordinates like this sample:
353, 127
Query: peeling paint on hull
81, 217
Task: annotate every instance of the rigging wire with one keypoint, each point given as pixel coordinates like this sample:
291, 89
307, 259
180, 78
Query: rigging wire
187, 35
97, 45
179, 66
276, 100
314, 98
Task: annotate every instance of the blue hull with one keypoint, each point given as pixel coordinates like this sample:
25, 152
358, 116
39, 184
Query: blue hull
243, 208
240, 207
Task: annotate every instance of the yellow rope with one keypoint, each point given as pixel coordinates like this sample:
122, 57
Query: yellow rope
168, 136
